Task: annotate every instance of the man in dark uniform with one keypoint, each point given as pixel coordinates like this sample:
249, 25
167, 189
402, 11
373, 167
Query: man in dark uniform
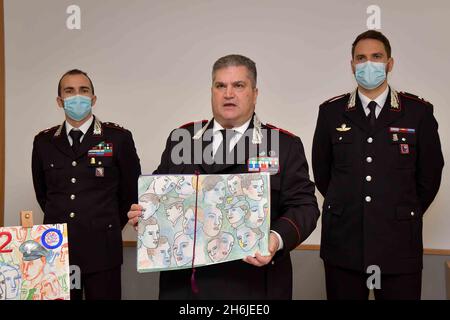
377, 160
85, 174
237, 131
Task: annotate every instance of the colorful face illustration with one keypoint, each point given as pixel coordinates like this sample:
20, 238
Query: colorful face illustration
182, 249
216, 195
213, 222
213, 249
235, 215
247, 238
256, 216
150, 237
162, 185
12, 280
255, 190
174, 212
150, 207
33, 268
189, 222
162, 256
184, 187
226, 242
234, 186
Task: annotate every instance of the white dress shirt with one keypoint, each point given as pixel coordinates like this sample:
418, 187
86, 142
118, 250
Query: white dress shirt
380, 100
217, 136
83, 128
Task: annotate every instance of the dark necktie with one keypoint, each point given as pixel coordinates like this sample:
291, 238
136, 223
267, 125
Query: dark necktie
372, 117
75, 135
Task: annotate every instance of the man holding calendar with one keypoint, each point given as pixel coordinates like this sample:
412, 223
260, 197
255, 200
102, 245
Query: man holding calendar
235, 141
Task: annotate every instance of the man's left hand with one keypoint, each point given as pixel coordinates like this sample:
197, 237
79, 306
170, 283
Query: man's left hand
260, 260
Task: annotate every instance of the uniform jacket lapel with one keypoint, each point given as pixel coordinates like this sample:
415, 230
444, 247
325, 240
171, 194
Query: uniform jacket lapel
246, 148
61, 142
355, 113
219, 168
90, 139
391, 112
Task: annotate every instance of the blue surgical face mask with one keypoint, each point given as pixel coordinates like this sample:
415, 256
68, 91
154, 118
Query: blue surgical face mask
370, 75
77, 107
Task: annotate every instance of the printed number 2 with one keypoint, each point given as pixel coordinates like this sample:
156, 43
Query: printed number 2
8, 240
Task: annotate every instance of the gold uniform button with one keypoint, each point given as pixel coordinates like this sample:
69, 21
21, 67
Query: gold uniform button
72, 215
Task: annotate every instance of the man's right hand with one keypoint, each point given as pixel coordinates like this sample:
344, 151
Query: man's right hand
134, 214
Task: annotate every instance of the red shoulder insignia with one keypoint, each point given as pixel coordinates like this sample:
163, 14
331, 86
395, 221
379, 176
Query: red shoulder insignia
271, 126
114, 126
48, 130
413, 97
334, 98
193, 122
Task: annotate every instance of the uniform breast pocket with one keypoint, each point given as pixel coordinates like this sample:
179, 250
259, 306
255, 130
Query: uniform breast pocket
342, 148
54, 171
103, 167
404, 149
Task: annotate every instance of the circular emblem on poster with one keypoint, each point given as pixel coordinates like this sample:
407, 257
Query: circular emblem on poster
52, 238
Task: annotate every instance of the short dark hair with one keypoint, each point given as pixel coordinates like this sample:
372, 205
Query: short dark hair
376, 35
237, 60
74, 72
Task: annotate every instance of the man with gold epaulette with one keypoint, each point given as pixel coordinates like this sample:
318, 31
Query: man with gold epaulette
377, 161
85, 174
235, 141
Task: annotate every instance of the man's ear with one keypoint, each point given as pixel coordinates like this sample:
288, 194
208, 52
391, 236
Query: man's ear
93, 100
352, 66
60, 102
256, 96
390, 64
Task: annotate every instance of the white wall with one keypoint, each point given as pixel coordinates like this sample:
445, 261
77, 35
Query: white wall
150, 62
